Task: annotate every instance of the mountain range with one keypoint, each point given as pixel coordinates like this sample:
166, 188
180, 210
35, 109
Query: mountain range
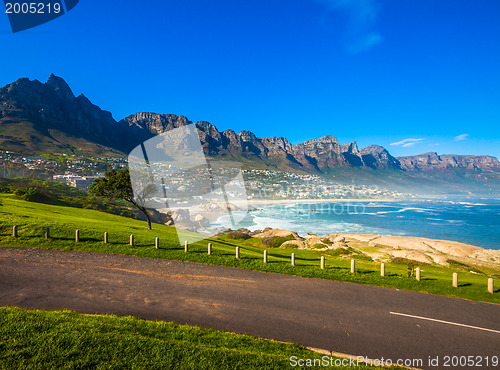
38, 118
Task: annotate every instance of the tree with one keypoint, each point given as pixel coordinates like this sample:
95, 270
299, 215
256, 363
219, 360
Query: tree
116, 184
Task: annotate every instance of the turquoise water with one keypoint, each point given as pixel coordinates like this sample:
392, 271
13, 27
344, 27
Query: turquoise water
475, 222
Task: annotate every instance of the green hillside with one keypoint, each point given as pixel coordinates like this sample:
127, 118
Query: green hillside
32, 219
26, 137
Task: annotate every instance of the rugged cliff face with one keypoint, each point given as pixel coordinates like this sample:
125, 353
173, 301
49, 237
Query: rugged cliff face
53, 103
433, 161
51, 114
378, 157
32, 112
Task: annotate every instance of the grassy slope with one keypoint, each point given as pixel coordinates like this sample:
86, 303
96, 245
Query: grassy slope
32, 219
38, 339
23, 136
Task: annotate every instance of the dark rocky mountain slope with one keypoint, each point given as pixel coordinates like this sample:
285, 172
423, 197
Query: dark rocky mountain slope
46, 117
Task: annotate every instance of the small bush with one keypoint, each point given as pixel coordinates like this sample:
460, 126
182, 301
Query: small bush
341, 252
237, 235
276, 241
327, 242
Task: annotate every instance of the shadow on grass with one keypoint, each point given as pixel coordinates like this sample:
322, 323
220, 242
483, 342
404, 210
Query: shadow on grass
365, 272
428, 279
464, 285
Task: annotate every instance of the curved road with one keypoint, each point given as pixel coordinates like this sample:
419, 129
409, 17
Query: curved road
342, 317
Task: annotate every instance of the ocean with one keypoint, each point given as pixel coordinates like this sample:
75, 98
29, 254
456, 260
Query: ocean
475, 222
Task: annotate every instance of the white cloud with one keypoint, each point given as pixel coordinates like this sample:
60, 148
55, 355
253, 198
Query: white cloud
362, 17
461, 137
406, 143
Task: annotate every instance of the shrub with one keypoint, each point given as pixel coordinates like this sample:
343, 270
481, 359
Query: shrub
276, 241
327, 242
237, 235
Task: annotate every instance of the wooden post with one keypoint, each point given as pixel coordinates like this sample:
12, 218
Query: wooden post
490, 285
209, 249
186, 246
293, 259
131, 240
157, 243
14, 231
265, 256
47, 232
417, 273
382, 269
455, 280
237, 252
77, 236
106, 237
322, 262
353, 266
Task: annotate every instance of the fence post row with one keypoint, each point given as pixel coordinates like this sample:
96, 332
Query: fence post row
491, 288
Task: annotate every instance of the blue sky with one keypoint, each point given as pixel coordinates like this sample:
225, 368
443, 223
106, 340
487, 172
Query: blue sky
414, 76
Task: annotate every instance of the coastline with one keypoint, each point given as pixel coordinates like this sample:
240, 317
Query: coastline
313, 201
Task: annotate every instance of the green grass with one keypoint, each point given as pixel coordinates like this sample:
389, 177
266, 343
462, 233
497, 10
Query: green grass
36, 339
33, 218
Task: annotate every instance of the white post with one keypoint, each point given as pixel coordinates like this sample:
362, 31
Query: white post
353, 266
417, 273
106, 237
131, 240
47, 232
209, 249
455, 280
237, 252
186, 246
14, 231
382, 269
77, 236
265, 256
322, 262
293, 259
490, 285
157, 243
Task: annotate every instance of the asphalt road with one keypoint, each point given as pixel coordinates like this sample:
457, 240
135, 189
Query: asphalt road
342, 317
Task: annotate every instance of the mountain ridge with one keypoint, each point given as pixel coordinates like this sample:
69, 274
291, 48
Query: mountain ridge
32, 112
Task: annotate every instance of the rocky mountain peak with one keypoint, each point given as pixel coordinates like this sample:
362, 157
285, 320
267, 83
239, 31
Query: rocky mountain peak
377, 157
59, 86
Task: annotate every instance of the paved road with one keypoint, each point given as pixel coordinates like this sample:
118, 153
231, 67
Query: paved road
341, 317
